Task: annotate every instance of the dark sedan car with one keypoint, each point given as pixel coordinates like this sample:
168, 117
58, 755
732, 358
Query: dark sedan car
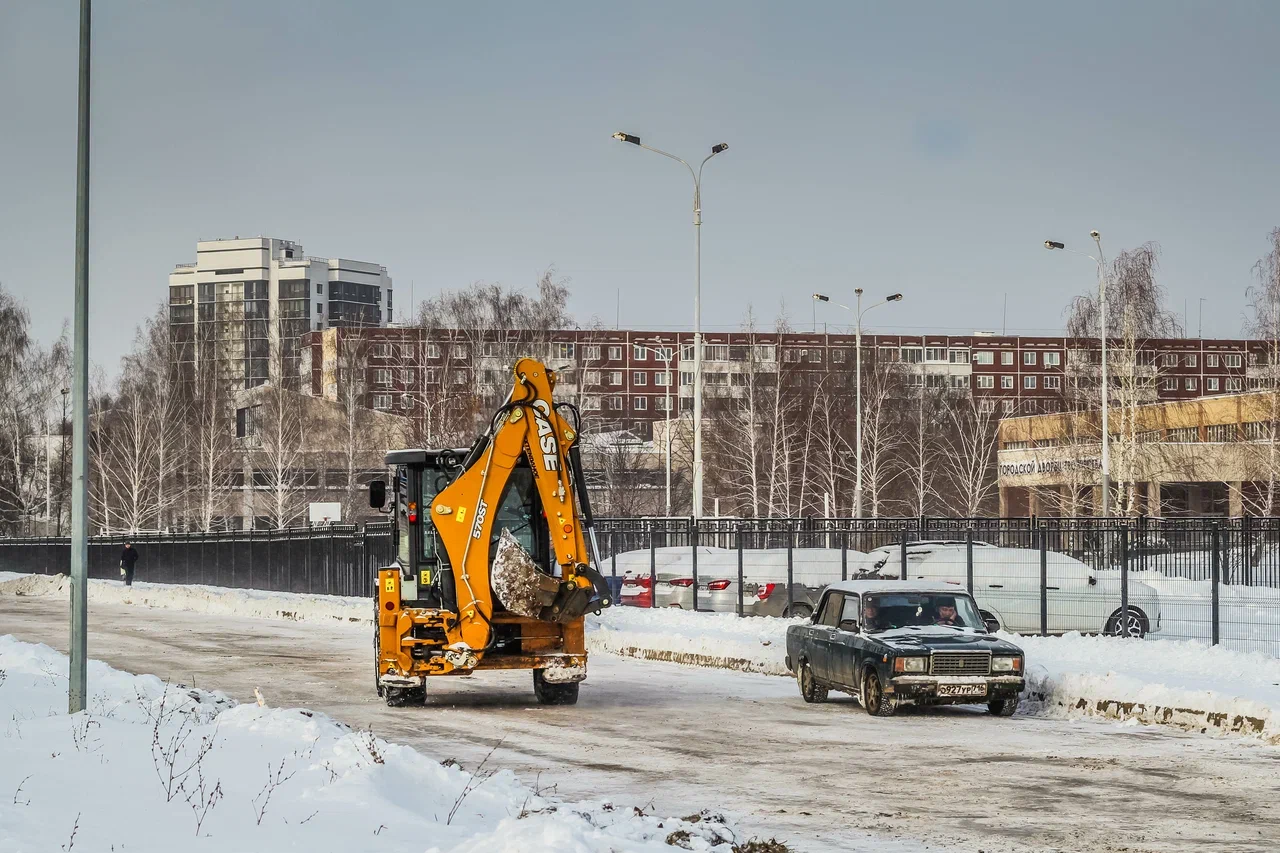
892, 643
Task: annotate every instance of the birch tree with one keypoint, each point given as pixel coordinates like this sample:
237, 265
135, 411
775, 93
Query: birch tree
1262, 322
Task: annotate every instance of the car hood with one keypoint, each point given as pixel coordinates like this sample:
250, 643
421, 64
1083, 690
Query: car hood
937, 638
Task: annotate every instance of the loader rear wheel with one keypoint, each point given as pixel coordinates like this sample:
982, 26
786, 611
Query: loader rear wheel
550, 693
398, 697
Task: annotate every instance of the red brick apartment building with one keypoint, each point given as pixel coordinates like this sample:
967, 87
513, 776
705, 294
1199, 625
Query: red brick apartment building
620, 376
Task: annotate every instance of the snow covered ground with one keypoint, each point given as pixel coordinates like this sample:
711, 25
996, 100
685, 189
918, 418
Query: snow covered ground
1180, 682
153, 767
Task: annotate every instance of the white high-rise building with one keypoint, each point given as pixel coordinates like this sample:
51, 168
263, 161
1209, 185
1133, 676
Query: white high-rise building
245, 303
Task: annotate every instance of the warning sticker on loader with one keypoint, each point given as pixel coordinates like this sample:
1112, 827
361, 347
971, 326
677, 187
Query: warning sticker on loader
391, 584
461, 515
426, 578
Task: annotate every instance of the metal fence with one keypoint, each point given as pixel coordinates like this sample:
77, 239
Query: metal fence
1214, 580
337, 559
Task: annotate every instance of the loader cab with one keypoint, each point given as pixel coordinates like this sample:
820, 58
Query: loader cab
417, 477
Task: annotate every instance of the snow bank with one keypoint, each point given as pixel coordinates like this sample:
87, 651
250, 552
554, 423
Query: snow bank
150, 767
721, 640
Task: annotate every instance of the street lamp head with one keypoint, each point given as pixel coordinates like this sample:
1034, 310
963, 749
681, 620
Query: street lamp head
1054, 244
1094, 234
716, 149
626, 137
896, 297
821, 298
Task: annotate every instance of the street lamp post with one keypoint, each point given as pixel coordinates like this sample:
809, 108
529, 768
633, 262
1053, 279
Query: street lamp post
1100, 261
857, 384
697, 302
664, 354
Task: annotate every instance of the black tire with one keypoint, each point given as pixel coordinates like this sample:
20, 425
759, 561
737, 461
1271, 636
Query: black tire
400, 697
810, 690
873, 698
798, 610
989, 622
551, 693
1002, 707
1136, 627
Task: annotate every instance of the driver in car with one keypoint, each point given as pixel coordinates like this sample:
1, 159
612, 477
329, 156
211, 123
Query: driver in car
947, 613
870, 616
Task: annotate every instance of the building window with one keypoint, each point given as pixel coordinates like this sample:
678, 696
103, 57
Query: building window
1191, 360
986, 406
382, 378
1257, 431
1169, 360
407, 376
1169, 384
766, 352
686, 377
1233, 384
433, 350
911, 355
615, 353
686, 352
319, 287
615, 403
640, 404
1052, 383
382, 402
887, 355
563, 352
1211, 359
639, 353
382, 350
1029, 382
660, 404
935, 354
1211, 382
715, 352
1052, 359
1028, 358
615, 377
406, 401
959, 356
591, 377
430, 376
458, 352
1221, 432
591, 403
986, 380
320, 309
591, 353
1190, 383
959, 381
1006, 358
1007, 406
1006, 382
459, 377
984, 358
663, 378
1184, 435
837, 356
1231, 360
639, 377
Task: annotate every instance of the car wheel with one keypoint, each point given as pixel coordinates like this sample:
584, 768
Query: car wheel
399, 697
990, 622
1002, 707
551, 693
874, 699
810, 689
799, 611
1135, 626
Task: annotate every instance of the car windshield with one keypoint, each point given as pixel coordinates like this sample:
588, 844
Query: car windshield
886, 611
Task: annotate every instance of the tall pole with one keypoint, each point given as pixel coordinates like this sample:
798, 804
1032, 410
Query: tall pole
697, 347
79, 672
857, 385
667, 364
1106, 386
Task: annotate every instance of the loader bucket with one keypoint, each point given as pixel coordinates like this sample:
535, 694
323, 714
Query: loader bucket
519, 583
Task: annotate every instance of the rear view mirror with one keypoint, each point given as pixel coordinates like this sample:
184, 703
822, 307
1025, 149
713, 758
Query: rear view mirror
378, 494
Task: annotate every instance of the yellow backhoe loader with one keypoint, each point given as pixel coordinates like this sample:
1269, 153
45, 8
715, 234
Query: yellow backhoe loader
495, 552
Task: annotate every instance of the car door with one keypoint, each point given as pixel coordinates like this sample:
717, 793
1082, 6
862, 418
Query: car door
847, 642
824, 654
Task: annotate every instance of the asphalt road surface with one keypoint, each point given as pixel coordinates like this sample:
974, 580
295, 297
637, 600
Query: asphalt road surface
824, 777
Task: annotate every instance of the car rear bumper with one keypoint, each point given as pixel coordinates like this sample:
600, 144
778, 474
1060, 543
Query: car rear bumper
932, 690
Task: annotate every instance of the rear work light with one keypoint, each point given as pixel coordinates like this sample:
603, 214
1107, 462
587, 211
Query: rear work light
718, 585
681, 581
765, 590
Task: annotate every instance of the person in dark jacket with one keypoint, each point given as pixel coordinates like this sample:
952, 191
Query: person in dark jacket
128, 558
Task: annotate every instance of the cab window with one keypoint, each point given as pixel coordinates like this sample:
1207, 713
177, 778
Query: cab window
851, 611
516, 512
831, 608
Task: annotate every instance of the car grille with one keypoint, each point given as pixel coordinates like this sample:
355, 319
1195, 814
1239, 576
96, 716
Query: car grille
961, 663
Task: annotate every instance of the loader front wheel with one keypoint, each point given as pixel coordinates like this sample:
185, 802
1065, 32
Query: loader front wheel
398, 697
550, 693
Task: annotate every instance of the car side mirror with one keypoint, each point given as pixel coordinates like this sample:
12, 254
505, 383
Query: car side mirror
850, 625
378, 494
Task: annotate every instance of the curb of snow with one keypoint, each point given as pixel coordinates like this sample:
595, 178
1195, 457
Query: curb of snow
1055, 686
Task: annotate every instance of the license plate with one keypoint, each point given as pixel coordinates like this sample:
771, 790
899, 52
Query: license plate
703, 588
962, 690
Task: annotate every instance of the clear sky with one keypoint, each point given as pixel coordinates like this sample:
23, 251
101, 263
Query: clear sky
929, 148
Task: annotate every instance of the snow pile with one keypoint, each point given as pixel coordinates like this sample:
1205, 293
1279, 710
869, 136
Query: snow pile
1248, 616
201, 599
722, 640
151, 767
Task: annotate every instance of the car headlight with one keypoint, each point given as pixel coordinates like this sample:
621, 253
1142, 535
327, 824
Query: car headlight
1006, 664
911, 664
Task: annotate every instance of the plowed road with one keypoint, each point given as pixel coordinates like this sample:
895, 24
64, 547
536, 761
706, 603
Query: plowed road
822, 777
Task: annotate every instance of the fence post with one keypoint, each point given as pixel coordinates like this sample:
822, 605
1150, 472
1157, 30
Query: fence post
613, 555
1124, 581
653, 569
791, 541
1215, 575
740, 571
1044, 582
844, 555
693, 538
1142, 541
902, 552
1246, 550
968, 558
